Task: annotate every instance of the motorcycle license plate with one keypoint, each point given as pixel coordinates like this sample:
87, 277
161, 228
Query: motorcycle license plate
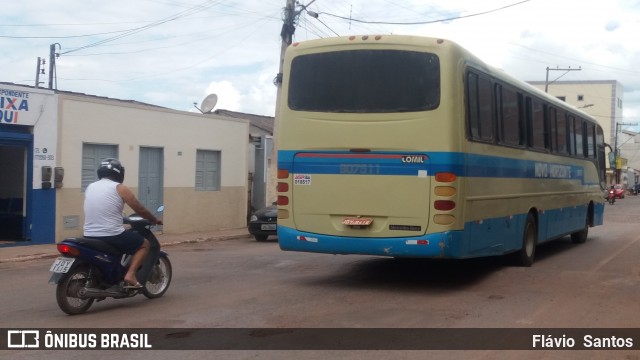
62, 265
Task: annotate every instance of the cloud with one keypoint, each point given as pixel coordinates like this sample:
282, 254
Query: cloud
612, 25
229, 98
232, 47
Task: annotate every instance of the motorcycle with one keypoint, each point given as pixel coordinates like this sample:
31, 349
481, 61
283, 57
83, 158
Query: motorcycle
611, 196
92, 270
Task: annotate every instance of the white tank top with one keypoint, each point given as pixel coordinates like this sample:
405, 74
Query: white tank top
103, 209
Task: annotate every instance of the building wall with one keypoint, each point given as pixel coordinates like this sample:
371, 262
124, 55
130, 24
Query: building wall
84, 119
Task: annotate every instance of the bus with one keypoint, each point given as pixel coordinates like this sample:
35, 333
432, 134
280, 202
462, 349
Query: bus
408, 146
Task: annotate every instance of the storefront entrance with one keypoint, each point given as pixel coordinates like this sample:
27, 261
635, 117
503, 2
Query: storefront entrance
16, 144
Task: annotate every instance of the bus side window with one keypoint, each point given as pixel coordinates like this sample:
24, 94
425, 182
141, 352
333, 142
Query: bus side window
600, 154
537, 126
509, 116
561, 132
579, 135
590, 144
472, 103
572, 134
480, 113
553, 129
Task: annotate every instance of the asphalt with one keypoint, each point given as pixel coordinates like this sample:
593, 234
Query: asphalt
24, 252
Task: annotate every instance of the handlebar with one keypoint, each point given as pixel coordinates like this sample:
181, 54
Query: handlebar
136, 220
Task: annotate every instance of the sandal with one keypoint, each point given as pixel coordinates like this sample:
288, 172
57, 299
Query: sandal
132, 286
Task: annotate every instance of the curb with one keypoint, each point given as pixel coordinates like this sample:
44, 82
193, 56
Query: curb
24, 258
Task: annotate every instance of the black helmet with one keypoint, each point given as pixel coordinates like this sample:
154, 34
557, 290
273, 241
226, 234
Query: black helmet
111, 169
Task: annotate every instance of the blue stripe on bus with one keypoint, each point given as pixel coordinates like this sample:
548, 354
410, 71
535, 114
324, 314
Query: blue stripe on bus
461, 164
294, 240
489, 237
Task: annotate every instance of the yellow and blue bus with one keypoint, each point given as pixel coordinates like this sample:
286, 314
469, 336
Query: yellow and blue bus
408, 146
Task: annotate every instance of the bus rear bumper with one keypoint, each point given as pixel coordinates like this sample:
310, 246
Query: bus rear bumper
439, 245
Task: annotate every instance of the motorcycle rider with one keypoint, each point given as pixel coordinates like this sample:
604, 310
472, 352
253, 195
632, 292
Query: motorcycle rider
103, 213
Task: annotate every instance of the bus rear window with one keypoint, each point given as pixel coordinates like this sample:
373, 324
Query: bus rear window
365, 81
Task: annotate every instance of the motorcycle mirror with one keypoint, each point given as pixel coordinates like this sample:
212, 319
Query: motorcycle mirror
160, 209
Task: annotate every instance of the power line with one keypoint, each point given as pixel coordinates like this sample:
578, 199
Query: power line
424, 22
61, 37
193, 10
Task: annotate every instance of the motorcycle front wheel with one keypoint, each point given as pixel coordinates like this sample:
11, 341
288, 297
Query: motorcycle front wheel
68, 291
159, 279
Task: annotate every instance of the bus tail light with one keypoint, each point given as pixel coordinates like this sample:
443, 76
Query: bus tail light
283, 174
444, 205
283, 200
445, 177
282, 187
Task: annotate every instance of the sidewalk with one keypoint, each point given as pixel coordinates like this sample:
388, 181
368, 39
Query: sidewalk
20, 252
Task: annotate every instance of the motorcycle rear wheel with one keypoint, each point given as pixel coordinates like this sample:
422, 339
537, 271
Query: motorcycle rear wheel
159, 279
68, 289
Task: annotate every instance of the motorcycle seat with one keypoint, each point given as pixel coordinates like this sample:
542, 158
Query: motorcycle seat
96, 244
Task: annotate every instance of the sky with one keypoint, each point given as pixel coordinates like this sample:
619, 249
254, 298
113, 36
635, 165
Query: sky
173, 53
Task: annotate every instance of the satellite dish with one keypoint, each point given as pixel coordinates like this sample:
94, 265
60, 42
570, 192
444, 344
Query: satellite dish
209, 103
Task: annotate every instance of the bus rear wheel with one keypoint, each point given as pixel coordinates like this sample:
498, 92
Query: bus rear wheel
580, 237
524, 257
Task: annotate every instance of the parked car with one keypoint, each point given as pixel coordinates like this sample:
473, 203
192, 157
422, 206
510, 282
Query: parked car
619, 191
264, 223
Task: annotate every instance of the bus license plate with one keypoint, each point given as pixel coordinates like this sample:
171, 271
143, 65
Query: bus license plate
355, 221
62, 265
268, 227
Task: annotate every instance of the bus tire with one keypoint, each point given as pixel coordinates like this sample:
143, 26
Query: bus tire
524, 257
579, 237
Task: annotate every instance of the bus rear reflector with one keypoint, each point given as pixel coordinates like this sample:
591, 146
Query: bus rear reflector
443, 205
445, 191
283, 214
283, 200
282, 187
445, 177
283, 174
441, 219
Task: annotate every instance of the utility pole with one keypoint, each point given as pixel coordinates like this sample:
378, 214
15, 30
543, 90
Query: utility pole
290, 18
546, 82
52, 64
616, 152
39, 70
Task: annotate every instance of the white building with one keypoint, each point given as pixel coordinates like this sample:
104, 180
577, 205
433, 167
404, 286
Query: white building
51, 142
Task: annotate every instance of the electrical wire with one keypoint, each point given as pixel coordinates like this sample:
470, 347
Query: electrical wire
424, 22
193, 10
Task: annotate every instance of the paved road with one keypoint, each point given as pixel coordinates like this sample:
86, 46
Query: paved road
243, 283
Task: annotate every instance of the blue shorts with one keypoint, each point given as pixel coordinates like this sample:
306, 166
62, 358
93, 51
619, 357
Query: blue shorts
127, 242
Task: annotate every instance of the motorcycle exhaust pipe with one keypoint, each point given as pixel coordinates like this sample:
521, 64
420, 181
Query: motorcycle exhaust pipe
99, 293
